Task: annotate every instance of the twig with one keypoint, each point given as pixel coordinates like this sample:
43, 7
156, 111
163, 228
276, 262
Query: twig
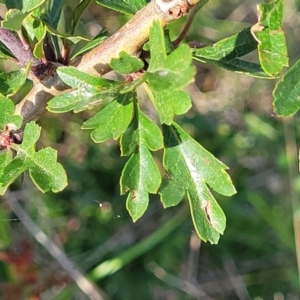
193, 290
129, 38
186, 27
82, 282
193, 258
24, 55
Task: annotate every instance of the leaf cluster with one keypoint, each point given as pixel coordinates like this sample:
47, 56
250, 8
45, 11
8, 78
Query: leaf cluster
187, 169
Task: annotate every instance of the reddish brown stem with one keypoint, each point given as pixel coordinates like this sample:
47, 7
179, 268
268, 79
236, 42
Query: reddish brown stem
24, 54
186, 27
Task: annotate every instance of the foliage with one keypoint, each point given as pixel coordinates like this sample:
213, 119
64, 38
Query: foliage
163, 158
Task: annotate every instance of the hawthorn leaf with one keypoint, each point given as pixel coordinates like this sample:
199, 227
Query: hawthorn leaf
176, 70
287, 92
141, 130
53, 12
91, 44
229, 48
18, 11
11, 82
74, 38
112, 120
169, 103
239, 66
44, 170
272, 50
189, 169
126, 64
90, 91
226, 53
157, 46
36, 30
129, 7
140, 175
7, 114
5, 54
167, 75
24, 5
5, 159
13, 19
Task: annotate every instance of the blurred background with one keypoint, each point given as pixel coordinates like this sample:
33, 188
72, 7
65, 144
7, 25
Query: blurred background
160, 256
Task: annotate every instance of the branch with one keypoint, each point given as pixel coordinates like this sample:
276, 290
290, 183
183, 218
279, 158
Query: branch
84, 284
129, 38
24, 55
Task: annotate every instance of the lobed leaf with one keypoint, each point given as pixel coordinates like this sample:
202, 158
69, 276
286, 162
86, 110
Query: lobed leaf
7, 114
11, 82
18, 11
169, 103
167, 75
91, 91
226, 53
111, 121
45, 172
287, 92
141, 130
229, 48
272, 49
37, 31
190, 168
140, 175
126, 64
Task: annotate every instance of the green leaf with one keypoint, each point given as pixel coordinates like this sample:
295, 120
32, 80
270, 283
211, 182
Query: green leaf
74, 38
167, 75
13, 19
5, 54
5, 159
18, 11
7, 113
287, 92
189, 169
11, 82
140, 175
272, 49
225, 54
43, 169
174, 72
53, 11
111, 121
37, 31
126, 64
24, 5
157, 46
91, 91
141, 130
229, 48
238, 66
79, 10
90, 45
169, 103
129, 7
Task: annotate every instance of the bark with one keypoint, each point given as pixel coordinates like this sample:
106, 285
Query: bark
129, 38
